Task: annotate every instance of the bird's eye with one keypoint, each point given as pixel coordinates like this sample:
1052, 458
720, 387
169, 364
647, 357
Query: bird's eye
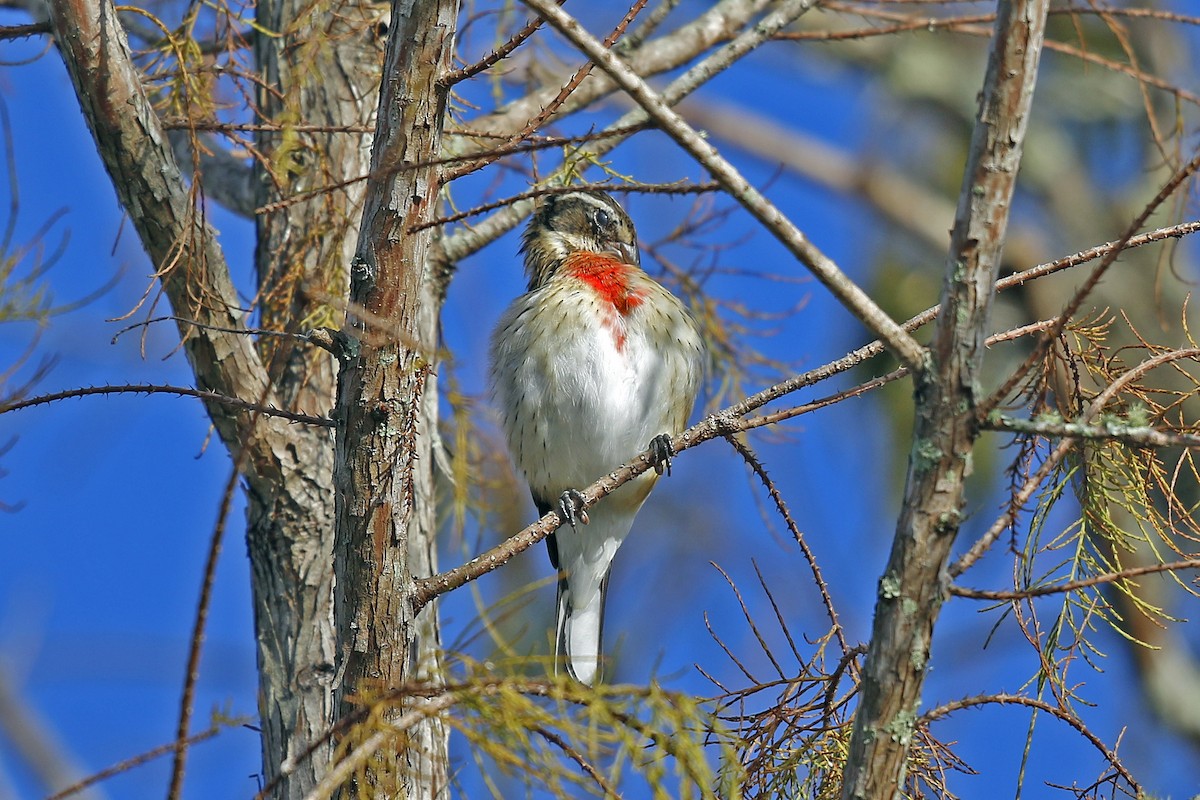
603, 218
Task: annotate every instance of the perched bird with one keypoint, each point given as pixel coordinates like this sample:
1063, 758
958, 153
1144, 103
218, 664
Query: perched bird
596, 362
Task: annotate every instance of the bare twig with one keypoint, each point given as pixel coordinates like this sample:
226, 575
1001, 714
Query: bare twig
465, 242
946, 709
1136, 435
781, 506
574, 754
11, 32
494, 57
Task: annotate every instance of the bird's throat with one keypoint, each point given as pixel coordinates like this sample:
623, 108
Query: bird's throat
608, 277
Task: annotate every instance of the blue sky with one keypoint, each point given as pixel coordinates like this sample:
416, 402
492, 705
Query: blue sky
118, 496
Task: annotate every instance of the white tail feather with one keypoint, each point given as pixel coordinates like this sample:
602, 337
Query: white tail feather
579, 633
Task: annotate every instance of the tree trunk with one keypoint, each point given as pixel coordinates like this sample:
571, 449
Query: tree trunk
321, 70
386, 408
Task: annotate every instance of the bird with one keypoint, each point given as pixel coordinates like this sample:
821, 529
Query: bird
595, 363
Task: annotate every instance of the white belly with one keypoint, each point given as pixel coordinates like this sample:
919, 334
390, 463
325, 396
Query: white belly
581, 391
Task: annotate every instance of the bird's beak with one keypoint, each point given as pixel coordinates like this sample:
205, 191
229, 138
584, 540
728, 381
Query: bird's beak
627, 253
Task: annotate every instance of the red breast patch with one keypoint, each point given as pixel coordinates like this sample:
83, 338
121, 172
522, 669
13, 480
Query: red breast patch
608, 277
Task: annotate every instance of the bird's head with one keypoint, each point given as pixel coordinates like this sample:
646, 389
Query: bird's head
581, 221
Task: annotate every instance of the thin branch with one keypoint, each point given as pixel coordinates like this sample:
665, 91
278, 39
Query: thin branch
238, 331
494, 57
781, 506
907, 350
192, 675
672, 188
11, 32
574, 754
1072, 586
182, 391
877, 382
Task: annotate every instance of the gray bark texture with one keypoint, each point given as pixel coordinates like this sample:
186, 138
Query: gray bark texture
322, 69
386, 408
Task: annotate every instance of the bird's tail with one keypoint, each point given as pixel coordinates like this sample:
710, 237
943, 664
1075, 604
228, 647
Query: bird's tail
580, 634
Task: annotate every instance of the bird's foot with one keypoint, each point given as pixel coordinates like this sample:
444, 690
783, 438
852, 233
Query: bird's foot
661, 452
570, 507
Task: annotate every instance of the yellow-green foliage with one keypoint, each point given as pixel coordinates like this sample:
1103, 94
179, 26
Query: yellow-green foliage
558, 736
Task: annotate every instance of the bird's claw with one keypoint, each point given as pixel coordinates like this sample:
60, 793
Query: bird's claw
661, 452
570, 508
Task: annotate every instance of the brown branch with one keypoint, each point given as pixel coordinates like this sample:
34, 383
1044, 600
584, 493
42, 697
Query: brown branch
675, 187
11, 32
182, 391
875, 383
574, 754
1138, 436
1072, 586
